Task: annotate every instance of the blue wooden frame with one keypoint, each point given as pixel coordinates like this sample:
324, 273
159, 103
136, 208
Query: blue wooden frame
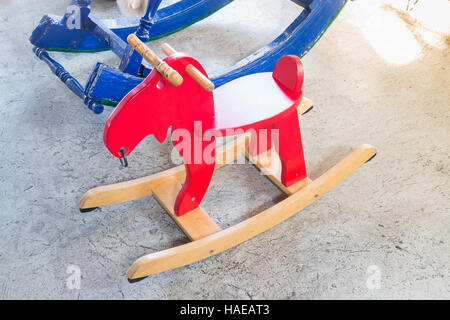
108, 85
52, 33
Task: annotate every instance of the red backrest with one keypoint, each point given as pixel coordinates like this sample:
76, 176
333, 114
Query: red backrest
288, 74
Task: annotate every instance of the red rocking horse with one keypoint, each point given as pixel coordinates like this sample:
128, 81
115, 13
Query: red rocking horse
262, 107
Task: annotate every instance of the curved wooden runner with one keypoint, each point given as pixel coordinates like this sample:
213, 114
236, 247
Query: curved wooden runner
228, 238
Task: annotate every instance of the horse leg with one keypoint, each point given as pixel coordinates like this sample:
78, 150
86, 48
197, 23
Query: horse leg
199, 171
288, 143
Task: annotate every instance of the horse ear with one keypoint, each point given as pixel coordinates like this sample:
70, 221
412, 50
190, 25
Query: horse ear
289, 73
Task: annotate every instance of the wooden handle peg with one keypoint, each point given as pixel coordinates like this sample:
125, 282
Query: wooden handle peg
167, 49
192, 71
163, 68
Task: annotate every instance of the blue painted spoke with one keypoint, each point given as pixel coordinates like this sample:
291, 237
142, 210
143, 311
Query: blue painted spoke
152, 8
67, 79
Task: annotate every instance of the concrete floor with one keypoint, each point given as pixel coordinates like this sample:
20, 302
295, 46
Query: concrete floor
371, 82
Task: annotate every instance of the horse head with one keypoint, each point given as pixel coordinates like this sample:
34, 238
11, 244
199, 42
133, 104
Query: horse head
155, 105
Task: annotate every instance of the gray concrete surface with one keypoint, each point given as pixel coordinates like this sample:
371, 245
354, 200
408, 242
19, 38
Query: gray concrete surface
391, 218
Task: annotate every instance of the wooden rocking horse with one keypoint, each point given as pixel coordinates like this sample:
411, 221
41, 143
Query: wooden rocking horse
262, 107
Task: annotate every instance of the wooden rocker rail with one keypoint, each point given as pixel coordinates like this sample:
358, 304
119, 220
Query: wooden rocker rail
223, 240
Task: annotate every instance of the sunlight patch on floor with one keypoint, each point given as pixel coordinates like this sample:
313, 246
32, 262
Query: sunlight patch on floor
399, 33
